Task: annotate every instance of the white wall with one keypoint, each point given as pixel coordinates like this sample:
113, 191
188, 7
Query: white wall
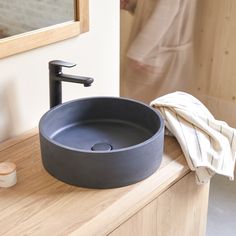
24, 93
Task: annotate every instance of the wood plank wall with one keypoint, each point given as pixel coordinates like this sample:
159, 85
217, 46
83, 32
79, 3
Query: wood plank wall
215, 51
215, 56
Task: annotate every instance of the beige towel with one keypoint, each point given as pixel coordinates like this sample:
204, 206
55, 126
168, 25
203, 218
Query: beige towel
209, 145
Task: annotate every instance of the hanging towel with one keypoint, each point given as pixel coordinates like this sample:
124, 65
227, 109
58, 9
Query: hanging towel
160, 50
168, 29
209, 145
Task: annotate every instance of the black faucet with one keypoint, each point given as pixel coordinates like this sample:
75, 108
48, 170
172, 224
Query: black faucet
56, 77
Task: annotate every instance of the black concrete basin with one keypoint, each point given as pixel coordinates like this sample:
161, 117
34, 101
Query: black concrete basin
101, 142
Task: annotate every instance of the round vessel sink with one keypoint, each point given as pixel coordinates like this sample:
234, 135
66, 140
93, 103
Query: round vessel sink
101, 142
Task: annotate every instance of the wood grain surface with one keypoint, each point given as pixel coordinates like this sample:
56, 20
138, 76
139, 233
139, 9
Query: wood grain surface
180, 210
41, 205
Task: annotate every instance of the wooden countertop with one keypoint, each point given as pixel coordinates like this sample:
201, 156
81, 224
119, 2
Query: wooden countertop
41, 205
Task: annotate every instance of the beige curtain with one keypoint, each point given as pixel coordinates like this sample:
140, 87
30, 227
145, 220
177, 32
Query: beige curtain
158, 57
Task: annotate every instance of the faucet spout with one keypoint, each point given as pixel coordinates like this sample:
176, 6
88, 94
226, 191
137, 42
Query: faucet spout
56, 77
86, 81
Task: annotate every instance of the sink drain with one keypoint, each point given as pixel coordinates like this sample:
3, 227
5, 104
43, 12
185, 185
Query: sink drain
101, 147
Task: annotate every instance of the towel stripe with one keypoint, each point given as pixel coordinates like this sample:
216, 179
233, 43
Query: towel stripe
231, 142
198, 142
208, 171
177, 117
197, 136
163, 112
210, 139
222, 165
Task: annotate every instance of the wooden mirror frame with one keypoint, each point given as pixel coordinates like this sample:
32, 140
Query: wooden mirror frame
44, 36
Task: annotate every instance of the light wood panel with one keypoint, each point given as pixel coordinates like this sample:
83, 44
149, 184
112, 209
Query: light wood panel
215, 52
82, 14
126, 21
37, 38
181, 210
16, 140
41, 205
214, 77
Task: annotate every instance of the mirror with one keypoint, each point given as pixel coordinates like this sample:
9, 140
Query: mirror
25, 24
18, 17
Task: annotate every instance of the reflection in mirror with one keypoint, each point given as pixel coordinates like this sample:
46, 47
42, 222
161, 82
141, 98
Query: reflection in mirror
20, 16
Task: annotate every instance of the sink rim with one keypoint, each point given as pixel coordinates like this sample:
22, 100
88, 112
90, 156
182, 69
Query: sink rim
159, 131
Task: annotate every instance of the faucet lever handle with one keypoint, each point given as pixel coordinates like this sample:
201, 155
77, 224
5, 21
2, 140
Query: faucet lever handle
59, 63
